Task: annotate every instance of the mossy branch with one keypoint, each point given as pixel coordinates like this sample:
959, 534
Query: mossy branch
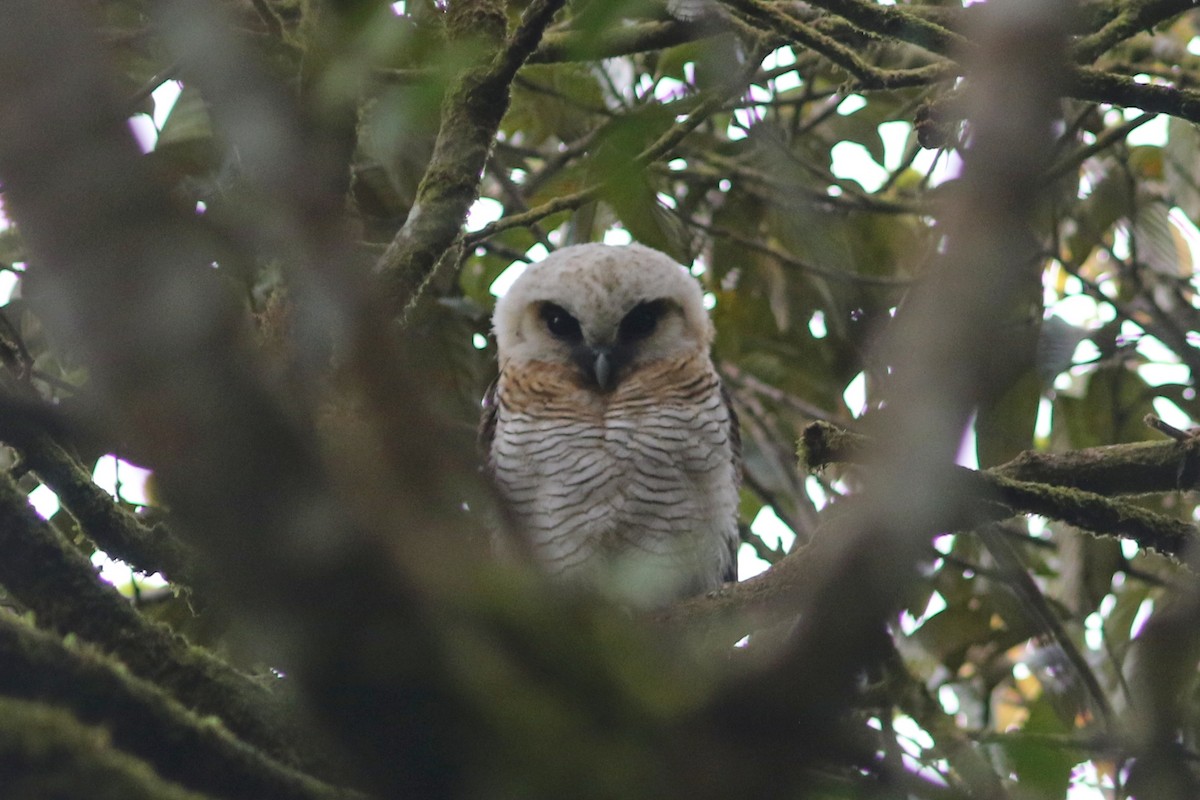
897, 22
112, 528
639, 38
1094, 513
1131, 18
1065, 487
1100, 25
53, 579
772, 17
1133, 468
143, 720
1114, 21
1096, 85
47, 752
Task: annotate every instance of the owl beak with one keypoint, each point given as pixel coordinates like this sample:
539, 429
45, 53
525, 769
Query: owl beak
602, 367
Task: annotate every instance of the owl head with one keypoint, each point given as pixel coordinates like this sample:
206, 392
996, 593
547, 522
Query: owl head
603, 309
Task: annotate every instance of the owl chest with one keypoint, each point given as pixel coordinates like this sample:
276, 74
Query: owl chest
644, 469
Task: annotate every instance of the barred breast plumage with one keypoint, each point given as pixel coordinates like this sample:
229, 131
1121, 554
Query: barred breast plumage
608, 432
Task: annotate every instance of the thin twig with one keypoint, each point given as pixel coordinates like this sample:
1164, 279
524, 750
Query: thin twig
841, 276
269, 17
1105, 140
1170, 430
659, 148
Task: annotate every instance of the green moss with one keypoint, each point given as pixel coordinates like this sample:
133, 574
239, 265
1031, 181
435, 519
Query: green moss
48, 754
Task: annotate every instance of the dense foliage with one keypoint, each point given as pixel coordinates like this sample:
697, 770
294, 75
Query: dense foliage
911, 221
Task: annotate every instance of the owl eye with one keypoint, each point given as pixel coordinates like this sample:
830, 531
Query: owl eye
560, 323
641, 321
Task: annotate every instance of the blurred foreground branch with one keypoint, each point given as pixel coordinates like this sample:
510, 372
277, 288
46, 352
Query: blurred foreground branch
324, 506
142, 719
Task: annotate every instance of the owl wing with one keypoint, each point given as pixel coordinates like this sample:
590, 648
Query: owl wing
735, 441
489, 412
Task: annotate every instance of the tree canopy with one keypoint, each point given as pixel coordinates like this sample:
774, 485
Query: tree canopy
252, 246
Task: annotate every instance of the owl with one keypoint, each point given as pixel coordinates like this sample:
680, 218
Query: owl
608, 430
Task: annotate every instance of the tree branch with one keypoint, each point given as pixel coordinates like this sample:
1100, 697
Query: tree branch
471, 115
111, 527
1099, 86
897, 22
144, 721
913, 491
783, 590
619, 41
55, 581
772, 17
345, 608
1068, 501
42, 747
1133, 468
1133, 18
824, 443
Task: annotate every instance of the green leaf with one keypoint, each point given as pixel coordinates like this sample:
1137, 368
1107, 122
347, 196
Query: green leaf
1111, 411
1088, 564
1056, 345
1004, 427
559, 101
1109, 201
476, 277
637, 207
188, 121
1180, 169
714, 59
1156, 243
1119, 624
947, 636
1043, 769
187, 144
857, 128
